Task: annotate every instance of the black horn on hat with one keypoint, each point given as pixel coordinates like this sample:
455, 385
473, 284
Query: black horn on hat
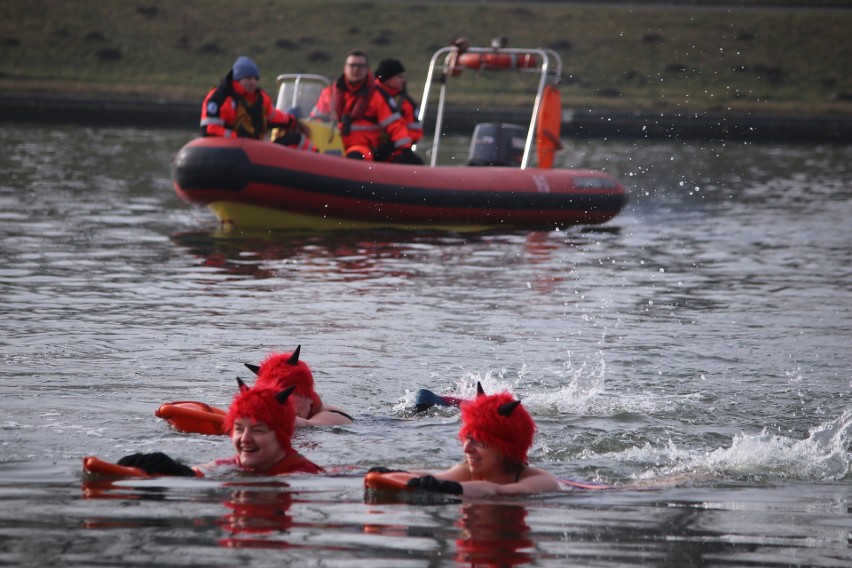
507, 408
282, 396
294, 358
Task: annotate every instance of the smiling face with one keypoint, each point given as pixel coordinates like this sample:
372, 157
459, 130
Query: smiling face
483, 462
256, 444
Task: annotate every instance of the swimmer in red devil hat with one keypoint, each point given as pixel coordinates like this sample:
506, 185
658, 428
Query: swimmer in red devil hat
260, 421
282, 370
496, 434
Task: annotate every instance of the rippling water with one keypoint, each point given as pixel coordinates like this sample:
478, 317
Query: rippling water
695, 352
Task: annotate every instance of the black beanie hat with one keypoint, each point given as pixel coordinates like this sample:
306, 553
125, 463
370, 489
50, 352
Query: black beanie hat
388, 68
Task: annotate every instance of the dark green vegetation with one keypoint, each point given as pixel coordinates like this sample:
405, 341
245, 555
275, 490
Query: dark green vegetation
749, 56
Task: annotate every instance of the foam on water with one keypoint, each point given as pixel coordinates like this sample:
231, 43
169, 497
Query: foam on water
823, 456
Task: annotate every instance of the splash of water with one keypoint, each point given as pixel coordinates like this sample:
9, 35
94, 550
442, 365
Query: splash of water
585, 382
465, 388
823, 456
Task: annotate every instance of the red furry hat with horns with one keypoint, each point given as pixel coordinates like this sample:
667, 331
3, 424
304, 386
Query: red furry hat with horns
267, 405
500, 422
281, 370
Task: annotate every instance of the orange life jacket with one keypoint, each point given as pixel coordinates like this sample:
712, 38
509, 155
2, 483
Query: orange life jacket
230, 113
407, 108
363, 114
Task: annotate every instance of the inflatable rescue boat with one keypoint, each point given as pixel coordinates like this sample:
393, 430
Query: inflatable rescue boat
263, 185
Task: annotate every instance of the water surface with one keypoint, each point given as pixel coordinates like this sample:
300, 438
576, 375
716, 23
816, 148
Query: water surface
694, 352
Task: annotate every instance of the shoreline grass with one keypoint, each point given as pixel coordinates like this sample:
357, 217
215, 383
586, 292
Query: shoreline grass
787, 58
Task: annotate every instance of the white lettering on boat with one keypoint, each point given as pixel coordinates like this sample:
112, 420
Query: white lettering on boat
541, 184
593, 182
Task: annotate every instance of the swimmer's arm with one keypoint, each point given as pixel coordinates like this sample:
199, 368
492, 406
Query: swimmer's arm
535, 481
459, 472
539, 482
205, 469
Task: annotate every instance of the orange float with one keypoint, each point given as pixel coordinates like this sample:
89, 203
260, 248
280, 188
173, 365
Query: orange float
548, 129
498, 61
398, 481
193, 417
96, 466
391, 481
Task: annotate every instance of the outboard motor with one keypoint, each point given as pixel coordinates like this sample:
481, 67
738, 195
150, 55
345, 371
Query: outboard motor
497, 144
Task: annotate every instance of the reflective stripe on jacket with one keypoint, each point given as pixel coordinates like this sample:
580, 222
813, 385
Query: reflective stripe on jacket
406, 107
363, 114
229, 111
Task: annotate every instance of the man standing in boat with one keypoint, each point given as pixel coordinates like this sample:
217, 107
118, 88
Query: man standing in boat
362, 114
238, 108
391, 81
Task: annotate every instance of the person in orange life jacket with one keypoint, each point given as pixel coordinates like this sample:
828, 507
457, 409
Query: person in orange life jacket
282, 370
391, 81
496, 434
361, 112
261, 422
238, 108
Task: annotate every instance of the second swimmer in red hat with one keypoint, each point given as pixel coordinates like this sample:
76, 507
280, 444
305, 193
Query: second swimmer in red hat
496, 434
282, 370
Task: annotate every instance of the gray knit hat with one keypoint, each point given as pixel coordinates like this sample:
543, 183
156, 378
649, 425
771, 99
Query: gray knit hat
245, 67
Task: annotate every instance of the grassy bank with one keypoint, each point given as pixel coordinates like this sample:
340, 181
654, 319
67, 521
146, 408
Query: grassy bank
679, 57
